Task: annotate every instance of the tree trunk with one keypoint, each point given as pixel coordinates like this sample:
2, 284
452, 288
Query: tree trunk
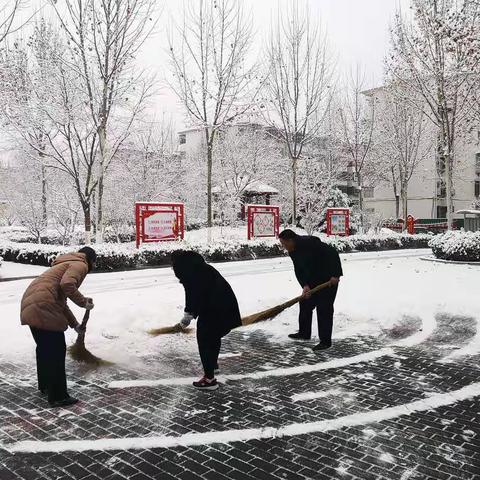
102, 136
360, 200
404, 195
209, 185
448, 185
44, 196
294, 191
88, 224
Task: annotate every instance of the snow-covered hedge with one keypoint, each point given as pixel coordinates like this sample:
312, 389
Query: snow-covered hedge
126, 256
457, 246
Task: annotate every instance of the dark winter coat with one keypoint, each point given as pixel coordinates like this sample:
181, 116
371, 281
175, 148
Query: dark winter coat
44, 303
315, 262
208, 295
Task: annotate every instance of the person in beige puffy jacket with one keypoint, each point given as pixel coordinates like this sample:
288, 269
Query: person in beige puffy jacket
44, 309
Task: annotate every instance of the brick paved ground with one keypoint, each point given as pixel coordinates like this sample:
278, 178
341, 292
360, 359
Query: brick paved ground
442, 443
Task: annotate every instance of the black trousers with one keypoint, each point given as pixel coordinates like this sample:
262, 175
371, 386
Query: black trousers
51, 351
323, 302
209, 344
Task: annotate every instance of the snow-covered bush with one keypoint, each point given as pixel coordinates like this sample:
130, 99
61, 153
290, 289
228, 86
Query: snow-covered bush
458, 246
126, 256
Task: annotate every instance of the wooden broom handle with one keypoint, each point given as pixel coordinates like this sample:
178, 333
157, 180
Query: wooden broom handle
86, 316
314, 290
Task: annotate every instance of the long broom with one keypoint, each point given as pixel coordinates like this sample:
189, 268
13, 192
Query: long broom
79, 352
250, 319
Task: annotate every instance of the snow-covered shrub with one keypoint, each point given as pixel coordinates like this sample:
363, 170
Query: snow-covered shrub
125, 256
458, 246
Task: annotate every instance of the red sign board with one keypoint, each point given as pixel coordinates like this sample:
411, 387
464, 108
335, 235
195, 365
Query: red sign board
263, 221
159, 222
338, 221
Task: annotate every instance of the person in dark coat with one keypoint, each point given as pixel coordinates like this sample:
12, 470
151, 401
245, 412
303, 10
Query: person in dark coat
44, 309
210, 298
315, 263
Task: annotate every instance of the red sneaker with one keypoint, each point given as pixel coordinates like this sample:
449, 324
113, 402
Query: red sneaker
206, 384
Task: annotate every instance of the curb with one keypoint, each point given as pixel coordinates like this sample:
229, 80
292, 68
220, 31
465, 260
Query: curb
454, 262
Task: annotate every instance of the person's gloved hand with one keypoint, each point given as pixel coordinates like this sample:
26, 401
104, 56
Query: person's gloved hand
186, 320
89, 305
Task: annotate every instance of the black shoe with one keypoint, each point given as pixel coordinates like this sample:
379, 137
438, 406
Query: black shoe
322, 346
298, 336
66, 402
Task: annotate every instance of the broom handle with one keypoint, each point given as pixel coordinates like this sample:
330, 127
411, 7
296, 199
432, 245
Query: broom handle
83, 327
86, 316
314, 290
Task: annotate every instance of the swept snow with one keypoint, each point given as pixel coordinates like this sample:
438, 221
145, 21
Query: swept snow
229, 436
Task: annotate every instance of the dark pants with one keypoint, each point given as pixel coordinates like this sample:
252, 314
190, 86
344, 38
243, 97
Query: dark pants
209, 344
51, 351
323, 302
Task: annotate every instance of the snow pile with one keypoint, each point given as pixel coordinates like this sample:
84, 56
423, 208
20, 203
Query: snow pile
457, 246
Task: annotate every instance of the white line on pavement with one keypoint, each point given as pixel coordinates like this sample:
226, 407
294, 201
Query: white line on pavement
243, 435
277, 372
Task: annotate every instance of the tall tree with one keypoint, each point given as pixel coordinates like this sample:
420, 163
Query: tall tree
403, 139
28, 68
210, 73
435, 57
298, 83
105, 36
357, 116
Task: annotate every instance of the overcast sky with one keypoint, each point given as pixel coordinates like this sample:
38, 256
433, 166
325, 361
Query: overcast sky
358, 31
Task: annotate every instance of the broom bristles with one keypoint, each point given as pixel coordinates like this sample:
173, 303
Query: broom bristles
168, 330
79, 353
274, 311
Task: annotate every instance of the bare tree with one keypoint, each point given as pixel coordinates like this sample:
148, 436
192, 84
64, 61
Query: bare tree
357, 116
298, 84
210, 75
105, 36
26, 87
8, 13
436, 57
403, 139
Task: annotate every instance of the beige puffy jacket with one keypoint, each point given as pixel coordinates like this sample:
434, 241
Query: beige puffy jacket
44, 303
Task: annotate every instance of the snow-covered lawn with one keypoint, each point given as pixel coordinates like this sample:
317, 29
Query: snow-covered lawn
378, 289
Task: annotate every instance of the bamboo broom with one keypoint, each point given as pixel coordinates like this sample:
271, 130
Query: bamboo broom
79, 352
274, 311
250, 319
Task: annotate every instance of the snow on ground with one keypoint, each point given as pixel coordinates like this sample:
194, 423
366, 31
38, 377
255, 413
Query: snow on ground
378, 289
18, 270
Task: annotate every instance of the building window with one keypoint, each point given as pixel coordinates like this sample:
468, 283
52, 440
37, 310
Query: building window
477, 188
368, 192
182, 138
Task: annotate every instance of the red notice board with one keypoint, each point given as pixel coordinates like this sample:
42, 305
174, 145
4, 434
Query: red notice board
263, 221
338, 221
159, 222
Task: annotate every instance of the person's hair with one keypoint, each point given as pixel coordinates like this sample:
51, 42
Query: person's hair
90, 254
186, 262
287, 235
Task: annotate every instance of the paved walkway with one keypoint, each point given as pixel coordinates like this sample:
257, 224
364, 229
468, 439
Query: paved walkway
402, 406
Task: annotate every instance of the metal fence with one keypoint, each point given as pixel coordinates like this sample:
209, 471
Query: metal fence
472, 224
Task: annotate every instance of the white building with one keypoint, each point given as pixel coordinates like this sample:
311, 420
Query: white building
426, 195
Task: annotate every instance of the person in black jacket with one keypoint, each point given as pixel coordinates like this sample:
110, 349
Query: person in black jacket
314, 262
210, 298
